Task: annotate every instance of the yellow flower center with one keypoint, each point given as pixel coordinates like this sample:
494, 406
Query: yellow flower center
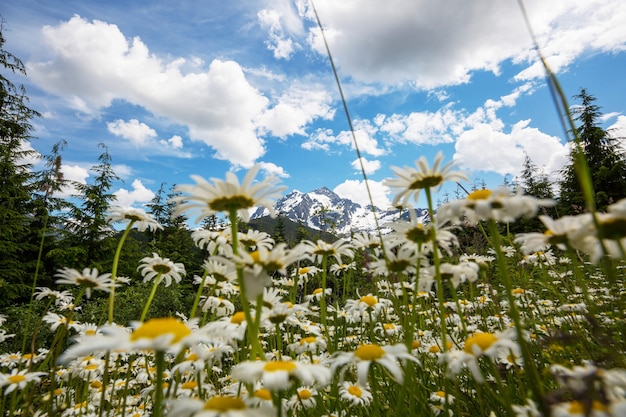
577, 407
310, 339
434, 349
96, 384
369, 352
58, 391
441, 394
355, 390
16, 379
189, 385
479, 194
416, 344
90, 332
278, 366
482, 340
263, 394
426, 181
192, 357
304, 270
231, 203
224, 403
256, 257
86, 282
370, 300
91, 367
317, 291
304, 394
154, 328
161, 268
518, 291
418, 234
389, 326
238, 318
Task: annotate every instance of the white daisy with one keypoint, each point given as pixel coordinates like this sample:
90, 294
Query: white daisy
228, 195
137, 217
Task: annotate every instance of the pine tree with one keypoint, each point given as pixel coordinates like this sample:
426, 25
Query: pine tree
18, 244
536, 183
607, 165
89, 219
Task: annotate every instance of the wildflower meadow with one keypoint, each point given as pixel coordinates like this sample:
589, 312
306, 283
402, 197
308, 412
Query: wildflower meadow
415, 321
397, 324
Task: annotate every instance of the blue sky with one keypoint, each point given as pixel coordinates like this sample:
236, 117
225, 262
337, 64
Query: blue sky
189, 87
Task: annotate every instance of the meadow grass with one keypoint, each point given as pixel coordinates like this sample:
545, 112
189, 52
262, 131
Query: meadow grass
408, 327
407, 324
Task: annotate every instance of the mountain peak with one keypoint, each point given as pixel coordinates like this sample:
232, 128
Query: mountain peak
323, 209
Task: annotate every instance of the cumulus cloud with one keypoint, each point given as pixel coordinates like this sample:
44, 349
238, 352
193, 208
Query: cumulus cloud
484, 148
441, 43
421, 128
139, 194
356, 191
281, 21
295, 109
618, 130
272, 169
73, 173
139, 134
369, 166
176, 142
94, 64
364, 131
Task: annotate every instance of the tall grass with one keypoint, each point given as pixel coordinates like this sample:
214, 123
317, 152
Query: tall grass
408, 323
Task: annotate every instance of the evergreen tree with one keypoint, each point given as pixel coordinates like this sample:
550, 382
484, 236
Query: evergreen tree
536, 183
88, 221
280, 232
18, 244
607, 165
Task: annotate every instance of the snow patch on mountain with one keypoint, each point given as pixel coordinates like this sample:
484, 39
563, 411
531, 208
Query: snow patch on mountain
323, 209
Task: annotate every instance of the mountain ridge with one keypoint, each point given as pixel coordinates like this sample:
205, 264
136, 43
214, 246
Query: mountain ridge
323, 209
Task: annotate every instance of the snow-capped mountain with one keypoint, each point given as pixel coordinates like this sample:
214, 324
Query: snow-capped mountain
322, 209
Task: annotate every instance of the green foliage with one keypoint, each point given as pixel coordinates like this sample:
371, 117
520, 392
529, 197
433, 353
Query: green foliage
606, 162
18, 213
88, 220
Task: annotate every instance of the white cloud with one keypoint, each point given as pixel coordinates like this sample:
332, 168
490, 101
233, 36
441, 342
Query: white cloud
74, 174
139, 194
364, 132
423, 127
176, 142
278, 43
139, 134
618, 130
356, 191
94, 64
281, 21
369, 166
484, 148
272, 169
295, 109
441, 43
122, 170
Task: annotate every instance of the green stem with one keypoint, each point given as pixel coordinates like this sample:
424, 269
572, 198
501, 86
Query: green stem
32, 292
157, 408
196, 301
116, 261
535, 382
157, 280
323, 298
438, 278
252, 326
